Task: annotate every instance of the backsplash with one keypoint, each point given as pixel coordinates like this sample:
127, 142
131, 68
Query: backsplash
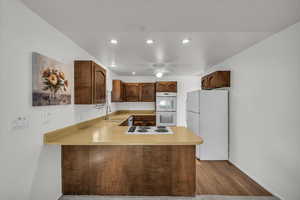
135, 106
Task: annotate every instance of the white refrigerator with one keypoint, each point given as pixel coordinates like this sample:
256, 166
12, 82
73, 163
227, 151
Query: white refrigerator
207, 116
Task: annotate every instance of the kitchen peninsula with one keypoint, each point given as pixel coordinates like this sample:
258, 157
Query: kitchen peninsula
100, 158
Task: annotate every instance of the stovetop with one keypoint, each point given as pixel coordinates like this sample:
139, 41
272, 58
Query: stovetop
149, 130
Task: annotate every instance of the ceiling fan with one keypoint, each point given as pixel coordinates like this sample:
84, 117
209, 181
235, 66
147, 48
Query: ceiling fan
163, 68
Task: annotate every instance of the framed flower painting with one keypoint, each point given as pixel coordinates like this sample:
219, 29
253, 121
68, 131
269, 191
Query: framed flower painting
50, 82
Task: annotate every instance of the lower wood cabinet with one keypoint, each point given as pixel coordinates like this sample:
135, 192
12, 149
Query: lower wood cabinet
144, 120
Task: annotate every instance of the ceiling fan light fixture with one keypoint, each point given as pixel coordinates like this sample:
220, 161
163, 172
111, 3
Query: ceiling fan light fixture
159, 74
185, 41
114, 41
149, 41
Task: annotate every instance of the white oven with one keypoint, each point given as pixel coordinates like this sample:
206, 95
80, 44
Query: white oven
166, 119
166, 101
166, 106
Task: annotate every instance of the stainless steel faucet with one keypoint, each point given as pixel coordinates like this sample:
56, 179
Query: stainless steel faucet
107, 106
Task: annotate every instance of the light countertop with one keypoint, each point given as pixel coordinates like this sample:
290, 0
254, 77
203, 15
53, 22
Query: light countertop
108, 132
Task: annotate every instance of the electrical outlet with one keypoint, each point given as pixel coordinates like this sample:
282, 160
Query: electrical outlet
21, 122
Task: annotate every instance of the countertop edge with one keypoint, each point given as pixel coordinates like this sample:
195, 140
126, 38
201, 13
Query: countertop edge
57, 137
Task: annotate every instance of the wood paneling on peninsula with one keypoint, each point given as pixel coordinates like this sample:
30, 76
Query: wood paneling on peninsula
129, 170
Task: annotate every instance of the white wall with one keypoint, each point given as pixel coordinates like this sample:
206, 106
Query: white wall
265, 112
184, 85
30, 170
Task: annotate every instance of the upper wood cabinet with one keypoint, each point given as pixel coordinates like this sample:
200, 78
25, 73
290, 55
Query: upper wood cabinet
147, 92
99, 85
166, 86
118, 91
215, 80
90, 83
132, 92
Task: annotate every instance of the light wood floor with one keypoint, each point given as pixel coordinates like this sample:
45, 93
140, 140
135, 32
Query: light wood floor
223, 178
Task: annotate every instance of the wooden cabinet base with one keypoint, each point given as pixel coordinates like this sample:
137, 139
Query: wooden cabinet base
129, 170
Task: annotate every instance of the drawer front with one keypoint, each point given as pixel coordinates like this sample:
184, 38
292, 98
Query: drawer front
144, 117
144, 120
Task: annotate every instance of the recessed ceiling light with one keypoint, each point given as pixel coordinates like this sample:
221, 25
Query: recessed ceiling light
185, 41
113, 65
159, 74
114, 41
149, 41
133, 73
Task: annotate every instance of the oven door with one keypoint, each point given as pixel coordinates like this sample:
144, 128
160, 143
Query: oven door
166, 104
165, 118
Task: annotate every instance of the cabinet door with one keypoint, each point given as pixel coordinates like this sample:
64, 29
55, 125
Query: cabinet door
90, 82
206, 82
99, 84
144, 120
220, 79
166, 86
83, 78
216, 79
132, 92
147, 92
117, 91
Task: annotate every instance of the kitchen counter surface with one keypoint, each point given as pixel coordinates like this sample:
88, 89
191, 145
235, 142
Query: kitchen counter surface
108, 132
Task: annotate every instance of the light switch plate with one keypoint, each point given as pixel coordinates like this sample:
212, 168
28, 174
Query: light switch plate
46, 117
